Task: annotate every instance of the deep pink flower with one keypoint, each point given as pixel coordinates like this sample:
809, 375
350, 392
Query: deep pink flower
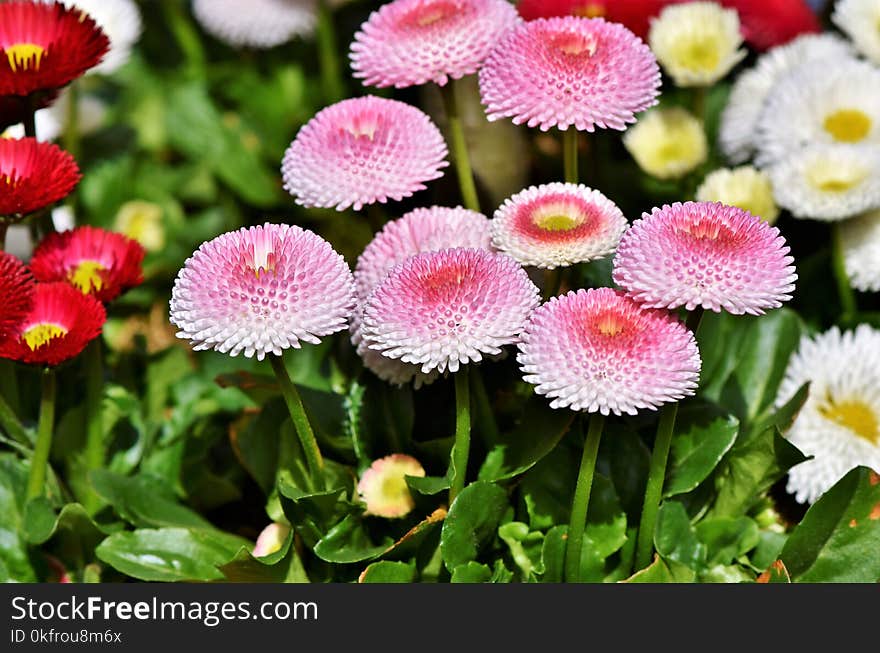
444, 309
705, 254
262, 290
33, 175
16, 293
599, 351
557, 225
410, 42
363, 150
559, 72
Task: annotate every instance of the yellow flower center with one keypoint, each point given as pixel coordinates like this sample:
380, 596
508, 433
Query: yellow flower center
855, 415
24, 56
848, 125
825, 176
87, 276
395, 491
41, 334
610, 324
555, 220
699, 54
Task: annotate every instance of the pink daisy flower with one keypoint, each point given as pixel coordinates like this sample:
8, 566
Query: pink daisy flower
557, 225
559, 72
262, 290
599, 351
420, 230
705, 254
363, 150
410, 42
443, 309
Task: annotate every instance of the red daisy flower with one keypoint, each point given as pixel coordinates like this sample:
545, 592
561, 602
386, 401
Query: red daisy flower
98, 262
33, 175
768, 23
61, 322
635, 14
47, 45
16, 293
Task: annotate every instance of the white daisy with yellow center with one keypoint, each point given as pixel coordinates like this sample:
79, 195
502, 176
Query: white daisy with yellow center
860, 21
745, 187
860, 238
667, 143
383, 486
697, 43
830, 104
839, 425
739, 119
828, 182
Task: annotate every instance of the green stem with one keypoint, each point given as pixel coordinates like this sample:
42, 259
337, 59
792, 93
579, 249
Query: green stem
4, 227
847, 295
462, 433
9, 385
570, 154
459, 149
654, 487
70, 136
698, 99
94, 364
40, 460
185, 34
328, 55
695, 319
11, 424
314, 460
581, 501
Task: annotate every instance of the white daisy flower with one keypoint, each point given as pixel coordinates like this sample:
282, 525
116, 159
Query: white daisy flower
839, 424
750, 90
745, 187
255, 23
860, 237
860, 21
828, 182
821, 104
121, 21
697, 43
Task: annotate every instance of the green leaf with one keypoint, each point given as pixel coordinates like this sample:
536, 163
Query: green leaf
839, 537
525, 547
428, 485
471, 572
420, 537
15, 564
349, 542
553, 554
728, 538
539, 431
726, 574
386, 571
282, 566
472, 521
628, 460
699, 444
39, 520
675, 538
258, 444
312, 514
548, 487
170, 554
661, 571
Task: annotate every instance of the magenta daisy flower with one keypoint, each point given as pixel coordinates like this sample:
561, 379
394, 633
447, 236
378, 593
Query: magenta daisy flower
559, 72
443, 309
705, 254
556, 225
261, 290
599, 351
410, 42
363, 150
420, 230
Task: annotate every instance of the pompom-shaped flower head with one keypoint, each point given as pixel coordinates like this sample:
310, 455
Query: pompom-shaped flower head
420, 230
557, 225
839, 425
667, 143
705, 254
859, 20
121, 21
410, 42
363, 150
46, 46
697, 43
261, 290
745, 187
255, 23
59, 325
98, 262
599, 351
16, 293
444, 309
563, 72
33, 175
383, 486
860, 238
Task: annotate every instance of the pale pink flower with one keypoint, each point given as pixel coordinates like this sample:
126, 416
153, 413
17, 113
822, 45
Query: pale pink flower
410, 42
363, 150
261, 290
383, 485
705, 254
564, 71
557, 225
599, 351
444, 309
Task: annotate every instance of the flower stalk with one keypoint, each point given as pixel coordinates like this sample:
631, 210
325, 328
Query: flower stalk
580, 505
459, 149
461, 449
40, 461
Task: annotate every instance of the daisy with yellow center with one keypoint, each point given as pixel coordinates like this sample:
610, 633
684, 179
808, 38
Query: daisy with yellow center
696, 43
860, 240
383, 486
839, 425
860, 21
667, 143
745, 187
